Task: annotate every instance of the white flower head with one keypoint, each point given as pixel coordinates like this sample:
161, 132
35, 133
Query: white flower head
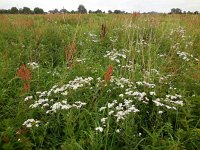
100, 129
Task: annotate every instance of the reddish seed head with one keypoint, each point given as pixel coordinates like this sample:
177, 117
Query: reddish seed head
108, 74
24, 73
70, 54
74, 47
26, 87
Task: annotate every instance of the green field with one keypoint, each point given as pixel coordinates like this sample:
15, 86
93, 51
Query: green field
100, 82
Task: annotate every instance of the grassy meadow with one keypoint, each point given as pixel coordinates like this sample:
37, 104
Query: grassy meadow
100, 82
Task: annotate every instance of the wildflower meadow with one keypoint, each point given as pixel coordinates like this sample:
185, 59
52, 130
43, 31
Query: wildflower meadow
100, 81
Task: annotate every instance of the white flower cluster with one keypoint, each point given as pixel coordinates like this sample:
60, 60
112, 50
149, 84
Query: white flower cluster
31, 122
78, 82
100, 129
144, 83
125, 109
121, 82
28, 98
93, 37
180, 31
186, 56
162, 55
43, 102
142, 42
151, 72
46, 98
118, 110
113, 39
176, 99
81, 60
170, 101
65, 106
33, 65
141, 96
115, 55
155, 71
50, 101
128, 66
75, 84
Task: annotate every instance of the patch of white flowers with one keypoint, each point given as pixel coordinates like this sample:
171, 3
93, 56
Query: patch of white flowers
93, 37
81, 60
121, 82
186, 56
179, 31
44, 97
100, 129
169, 101
118, 110
28, 98
129, 96
65, 106
51, 101
116, 55
114, 39
144, 83
30, 123
33, 65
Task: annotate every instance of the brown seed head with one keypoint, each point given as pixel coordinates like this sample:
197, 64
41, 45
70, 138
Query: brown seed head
24, 73
108, 74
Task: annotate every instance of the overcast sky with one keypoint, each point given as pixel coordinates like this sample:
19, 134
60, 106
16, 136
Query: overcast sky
126, 5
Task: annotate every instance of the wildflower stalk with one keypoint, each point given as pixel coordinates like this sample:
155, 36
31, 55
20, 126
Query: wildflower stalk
70, 54
108, 74
25, 75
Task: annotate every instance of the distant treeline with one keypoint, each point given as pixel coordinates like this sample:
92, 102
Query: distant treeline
81, 9
24, 10
179, 11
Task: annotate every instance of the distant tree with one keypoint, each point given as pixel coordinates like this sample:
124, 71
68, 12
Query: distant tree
117, 11
90, 11
73, 12
82, 9
55, 11
196, 12
152, 12
64, 11
38, 11
110, 12
189, 12
98, 11
173, 10
26, 10
3, 11
14, 10
184, 12
176, 11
